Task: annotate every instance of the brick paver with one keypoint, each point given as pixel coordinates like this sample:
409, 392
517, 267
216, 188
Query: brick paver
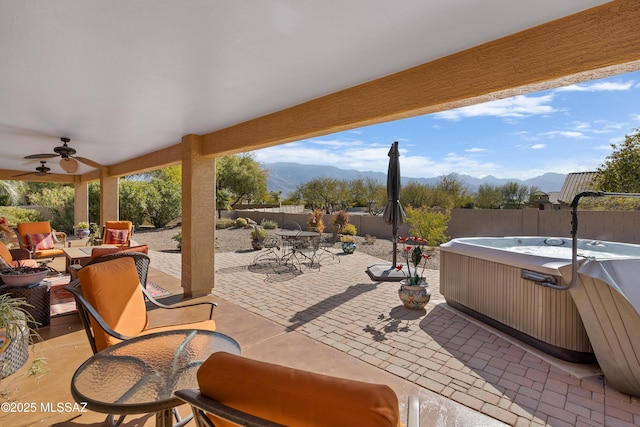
438, 349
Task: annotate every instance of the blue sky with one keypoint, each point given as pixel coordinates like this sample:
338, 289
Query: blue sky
562, 130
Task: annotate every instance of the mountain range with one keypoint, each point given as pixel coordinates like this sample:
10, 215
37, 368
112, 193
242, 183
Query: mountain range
286, 176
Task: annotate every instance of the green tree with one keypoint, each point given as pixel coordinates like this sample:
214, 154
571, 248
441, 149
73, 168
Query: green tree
514, 195
489, 196
242, 176
621, 171
11, 192
164, 201
414, 194
58, 199
323, 192
133, 196
428, 224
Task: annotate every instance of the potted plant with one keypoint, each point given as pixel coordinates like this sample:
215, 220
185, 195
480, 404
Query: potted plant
95, 237
82, 229
258, 234
348, 244
348, 239
414, 290
15, 321
22, 275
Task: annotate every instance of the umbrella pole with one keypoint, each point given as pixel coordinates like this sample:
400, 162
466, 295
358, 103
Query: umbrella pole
395, 244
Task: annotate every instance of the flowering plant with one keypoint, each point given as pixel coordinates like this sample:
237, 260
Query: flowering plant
414, 254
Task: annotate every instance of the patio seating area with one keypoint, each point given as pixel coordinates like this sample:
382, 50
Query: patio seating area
335, 320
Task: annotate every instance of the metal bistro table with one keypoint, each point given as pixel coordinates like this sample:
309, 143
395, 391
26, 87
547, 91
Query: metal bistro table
298, 243
139, 375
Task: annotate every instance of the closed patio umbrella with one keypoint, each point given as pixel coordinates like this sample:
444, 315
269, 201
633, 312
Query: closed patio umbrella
393, 215
393, 212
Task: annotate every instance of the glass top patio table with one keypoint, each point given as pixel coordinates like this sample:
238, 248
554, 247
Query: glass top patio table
139, 375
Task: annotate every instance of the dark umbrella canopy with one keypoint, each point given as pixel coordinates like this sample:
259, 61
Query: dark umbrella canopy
393, 212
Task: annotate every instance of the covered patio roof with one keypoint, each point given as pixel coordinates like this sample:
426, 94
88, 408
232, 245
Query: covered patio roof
146, 84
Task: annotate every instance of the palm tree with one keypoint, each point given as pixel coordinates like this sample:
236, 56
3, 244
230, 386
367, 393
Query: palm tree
11, 192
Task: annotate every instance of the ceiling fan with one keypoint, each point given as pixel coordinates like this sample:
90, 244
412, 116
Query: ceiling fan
69, 161
40, 170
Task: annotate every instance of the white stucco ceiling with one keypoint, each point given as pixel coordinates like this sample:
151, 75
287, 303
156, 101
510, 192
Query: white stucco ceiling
123, 78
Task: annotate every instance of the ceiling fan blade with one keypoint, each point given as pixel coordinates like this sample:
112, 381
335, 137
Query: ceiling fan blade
89, 162
23, 174
41, 156
69, 165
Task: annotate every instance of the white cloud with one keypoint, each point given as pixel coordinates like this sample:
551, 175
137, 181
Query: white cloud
475, 150
517, 107
538, 146
598, 87
564, 134
635, 117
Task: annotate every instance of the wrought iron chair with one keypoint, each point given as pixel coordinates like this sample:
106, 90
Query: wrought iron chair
253, 393
270, 250
327, 243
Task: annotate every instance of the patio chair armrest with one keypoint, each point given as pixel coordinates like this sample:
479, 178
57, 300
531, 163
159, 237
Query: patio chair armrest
201, 405
185, 304
84, 305
59, 236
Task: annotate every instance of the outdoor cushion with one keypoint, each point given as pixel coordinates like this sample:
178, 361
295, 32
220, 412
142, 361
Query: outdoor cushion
99, 251
41, 241
3, 263
116, 237
295, 397
121, 306
5, 254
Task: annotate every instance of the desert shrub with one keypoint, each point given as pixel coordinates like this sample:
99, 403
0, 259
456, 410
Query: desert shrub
164, 200
224, 223
178, 239
339, 218
315, 221
241, 222
428, 224
268, 224
347, 239
349, 230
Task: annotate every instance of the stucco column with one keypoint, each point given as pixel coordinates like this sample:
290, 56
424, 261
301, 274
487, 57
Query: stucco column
80, 202
198, 218
108, 199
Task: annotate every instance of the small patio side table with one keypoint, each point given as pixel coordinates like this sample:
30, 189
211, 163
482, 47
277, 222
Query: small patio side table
139, 375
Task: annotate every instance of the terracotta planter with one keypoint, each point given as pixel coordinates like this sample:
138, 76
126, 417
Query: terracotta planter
414, 297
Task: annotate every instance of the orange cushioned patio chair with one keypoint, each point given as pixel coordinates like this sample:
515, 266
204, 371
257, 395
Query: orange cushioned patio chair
100, 254
235, 390
111, 303
117, 233
15, 257
41, 241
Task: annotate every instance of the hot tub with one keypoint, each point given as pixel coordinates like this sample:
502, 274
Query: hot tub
510, 283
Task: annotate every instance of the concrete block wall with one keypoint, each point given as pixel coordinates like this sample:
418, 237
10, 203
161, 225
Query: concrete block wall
615, 226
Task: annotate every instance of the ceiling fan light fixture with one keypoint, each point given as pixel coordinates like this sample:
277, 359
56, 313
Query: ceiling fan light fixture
69, 165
